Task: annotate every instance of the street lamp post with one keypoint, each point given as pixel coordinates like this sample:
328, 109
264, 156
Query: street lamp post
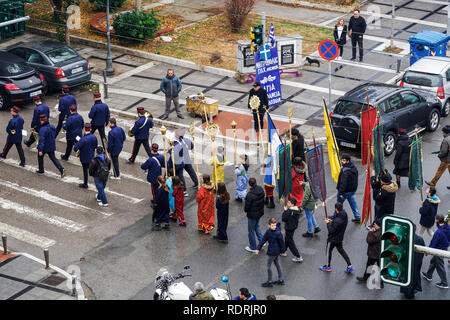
109, 69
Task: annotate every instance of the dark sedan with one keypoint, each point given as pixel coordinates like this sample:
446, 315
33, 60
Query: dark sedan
60, 64
19, 82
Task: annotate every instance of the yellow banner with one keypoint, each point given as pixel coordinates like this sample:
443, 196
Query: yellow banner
333, 149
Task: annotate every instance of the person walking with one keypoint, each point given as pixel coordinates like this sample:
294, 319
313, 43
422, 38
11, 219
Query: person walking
276, 247
39, 110
64, 104
218, 164
222, 205
200, 293
178, 195
441, 241
244, 294
74, 129
298, 177
373, 240
401, 159
176, 153
14, 131
416, 284
290, 216
47, 146
309, 205
356, 30
336, 226
347, 185
444, 156
428, 210
86, 145
153, 166
340, 36
240, 171
99, 115
171, 87
384, 190
261, 93
187, 145
254, 208
116, 138
205, 200
141, 133
298, 144
99, 169
162, 211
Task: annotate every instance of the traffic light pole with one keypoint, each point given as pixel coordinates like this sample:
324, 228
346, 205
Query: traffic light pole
433, 252
263, 22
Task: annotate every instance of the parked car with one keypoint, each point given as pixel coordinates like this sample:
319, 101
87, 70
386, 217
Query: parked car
399, 108
430, 74
19, 82
60, 64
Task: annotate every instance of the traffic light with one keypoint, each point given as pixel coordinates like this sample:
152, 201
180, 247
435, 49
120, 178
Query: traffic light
257, 37
252, 39
397, 250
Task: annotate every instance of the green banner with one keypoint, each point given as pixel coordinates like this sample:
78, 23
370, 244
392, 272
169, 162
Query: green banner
415, 165
378, 149
284, 175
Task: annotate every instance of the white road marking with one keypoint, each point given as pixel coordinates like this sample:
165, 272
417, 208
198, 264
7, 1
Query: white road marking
365, 66
444, 3
42, 216
311, 87
131, 72
43, 194
26, 236
398, 18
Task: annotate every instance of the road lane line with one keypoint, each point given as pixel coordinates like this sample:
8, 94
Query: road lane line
26, 236
311, 87
398, 18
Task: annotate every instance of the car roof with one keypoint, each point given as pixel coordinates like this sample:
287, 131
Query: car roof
41, 45
434, 65
376, 92
6, 56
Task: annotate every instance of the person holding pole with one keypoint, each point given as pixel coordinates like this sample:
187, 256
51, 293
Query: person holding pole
261, 93
116, 138
444, 156
347, 185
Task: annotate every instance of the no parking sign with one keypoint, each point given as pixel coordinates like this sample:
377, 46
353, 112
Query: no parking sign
328, 49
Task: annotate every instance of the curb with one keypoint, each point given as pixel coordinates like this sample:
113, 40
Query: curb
314, 5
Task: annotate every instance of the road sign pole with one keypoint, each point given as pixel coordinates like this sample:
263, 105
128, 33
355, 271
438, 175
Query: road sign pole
329, 83
263, 22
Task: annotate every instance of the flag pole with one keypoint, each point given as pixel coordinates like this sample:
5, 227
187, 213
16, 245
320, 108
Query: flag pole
332, 132
419, 161
379, 142
163, 132
192, 132
320, 174
290, 129
233, 126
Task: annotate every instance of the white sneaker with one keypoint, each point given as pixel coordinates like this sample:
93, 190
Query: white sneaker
186, 194
250, 250
299, 259
115, 178
339, 58
99, 201
102, 204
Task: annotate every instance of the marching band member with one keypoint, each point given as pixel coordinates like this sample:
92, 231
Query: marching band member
100, 116
140, 131
46, 145
40, 109
116, 138
74, 128
65, 102
14, 131
86, 145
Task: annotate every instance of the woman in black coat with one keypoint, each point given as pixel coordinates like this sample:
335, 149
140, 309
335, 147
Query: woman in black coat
222, 205
340, 36
401, 160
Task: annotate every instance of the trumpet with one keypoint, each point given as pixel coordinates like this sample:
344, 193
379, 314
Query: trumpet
129, 132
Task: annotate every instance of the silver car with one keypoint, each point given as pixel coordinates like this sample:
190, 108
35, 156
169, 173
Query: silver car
431, 74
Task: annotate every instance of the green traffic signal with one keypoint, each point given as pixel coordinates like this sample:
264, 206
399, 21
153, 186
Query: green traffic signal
258, 35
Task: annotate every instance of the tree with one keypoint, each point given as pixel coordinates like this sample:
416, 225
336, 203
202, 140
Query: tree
60, 18
392, 25
237, 11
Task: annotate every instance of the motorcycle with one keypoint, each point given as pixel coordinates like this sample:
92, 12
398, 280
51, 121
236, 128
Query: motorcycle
168, 289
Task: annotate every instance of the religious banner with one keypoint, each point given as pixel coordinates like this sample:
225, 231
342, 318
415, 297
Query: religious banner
268, 74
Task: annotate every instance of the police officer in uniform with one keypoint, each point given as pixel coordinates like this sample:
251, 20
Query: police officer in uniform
100, 116
14, 131
74, 128
40, 109
65, 102
141, 134
46, 145
153, 166
261, 93
116, 138
86, 145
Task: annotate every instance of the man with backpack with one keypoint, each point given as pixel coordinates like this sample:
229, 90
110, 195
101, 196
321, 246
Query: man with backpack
99, 168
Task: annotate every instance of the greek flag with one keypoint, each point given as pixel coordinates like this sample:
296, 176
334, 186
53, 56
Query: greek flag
271, 39
274, 144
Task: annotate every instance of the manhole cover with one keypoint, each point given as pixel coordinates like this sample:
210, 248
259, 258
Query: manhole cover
53, 280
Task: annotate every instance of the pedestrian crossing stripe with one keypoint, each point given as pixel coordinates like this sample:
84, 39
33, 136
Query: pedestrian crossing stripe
26, 236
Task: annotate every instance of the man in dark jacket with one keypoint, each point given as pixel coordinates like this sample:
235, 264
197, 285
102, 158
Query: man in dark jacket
384, 190
14, 131
96, 169
116, 138
141, 133
100, 116
441, 241
187, 145
254, 207
65, 102
244, 294
86, 145
74, 128
356, 30
428, 211
47, 145
171, 87
416, 284
153, 166
40, 109
336, 230
290, 216
373, 249
261, 93
444, 156
298, 145
347, 185
401, 159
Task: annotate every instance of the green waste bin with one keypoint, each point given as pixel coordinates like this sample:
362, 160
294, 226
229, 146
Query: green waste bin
9, 10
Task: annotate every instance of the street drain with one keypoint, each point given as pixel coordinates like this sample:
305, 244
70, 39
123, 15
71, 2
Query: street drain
54, 280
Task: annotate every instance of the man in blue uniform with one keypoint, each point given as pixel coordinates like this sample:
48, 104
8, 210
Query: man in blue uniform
74, 128
153, 166
177, 150
141, 134
187, 145
46, 145
40, 109
65, 102
14, 131
86, 145
100, 116
116, 138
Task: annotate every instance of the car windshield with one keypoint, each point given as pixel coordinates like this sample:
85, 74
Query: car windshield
422, 79
344, 108
61, 54
14, 69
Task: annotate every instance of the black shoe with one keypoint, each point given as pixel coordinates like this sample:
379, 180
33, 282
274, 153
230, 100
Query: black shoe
82, 185
64, 158
164, 117
180, 116
353, 59
308, 235
279, 282
238, 199
195, 186
26, 143
266, 201
129, 161
3, 157
22, 164
361, 59
166, 227
448, 187
39, 172
317, 230
361, 279
156, 227
356, 220
271, 203
267, 284
398, 183
63, 173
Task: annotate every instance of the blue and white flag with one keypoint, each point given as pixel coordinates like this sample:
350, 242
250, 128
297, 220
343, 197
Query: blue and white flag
274, 144
264, 52
271, 39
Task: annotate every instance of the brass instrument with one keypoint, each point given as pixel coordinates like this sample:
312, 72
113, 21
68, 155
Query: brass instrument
13, 131
77, 154
35, 134
129, 132
146, 115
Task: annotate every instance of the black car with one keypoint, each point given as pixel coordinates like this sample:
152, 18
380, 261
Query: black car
59, 63
399, 108
19, 82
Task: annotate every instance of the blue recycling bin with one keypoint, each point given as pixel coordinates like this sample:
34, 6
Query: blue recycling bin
427, 43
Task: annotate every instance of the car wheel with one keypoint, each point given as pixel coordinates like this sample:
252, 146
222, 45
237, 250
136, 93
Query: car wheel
446, 108
433, 120
389, 143
2, 102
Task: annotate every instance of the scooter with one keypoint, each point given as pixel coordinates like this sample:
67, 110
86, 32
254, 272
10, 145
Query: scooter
168, 289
